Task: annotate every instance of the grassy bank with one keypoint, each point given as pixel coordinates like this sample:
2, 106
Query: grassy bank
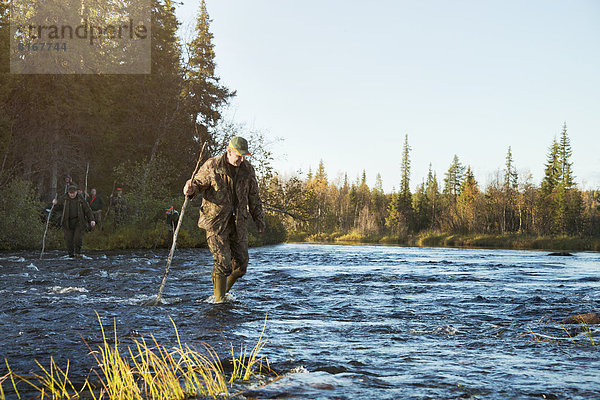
436, 239
23, 220
153, 235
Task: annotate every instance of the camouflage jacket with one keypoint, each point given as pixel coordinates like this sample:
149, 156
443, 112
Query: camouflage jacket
84, 212
218, 204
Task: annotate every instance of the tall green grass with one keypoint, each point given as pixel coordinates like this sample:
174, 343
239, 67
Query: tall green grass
146, 370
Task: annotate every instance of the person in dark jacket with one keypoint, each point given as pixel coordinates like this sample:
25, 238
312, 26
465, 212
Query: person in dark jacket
119, 205
76, 213
97, 205
68, 181
172, 218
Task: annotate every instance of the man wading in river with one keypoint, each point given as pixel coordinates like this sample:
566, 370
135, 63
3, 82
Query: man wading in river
230, 190
76, 213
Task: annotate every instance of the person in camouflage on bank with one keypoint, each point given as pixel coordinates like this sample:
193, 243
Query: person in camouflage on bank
76, 213
230, 190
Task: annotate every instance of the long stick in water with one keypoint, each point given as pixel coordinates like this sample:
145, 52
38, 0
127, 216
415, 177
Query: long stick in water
185, 202
46, 231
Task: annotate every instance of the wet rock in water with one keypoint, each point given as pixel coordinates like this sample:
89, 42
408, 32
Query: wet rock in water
332, 369
561, 254
591, 318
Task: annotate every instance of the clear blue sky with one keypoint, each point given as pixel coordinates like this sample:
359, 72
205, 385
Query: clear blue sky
344, 81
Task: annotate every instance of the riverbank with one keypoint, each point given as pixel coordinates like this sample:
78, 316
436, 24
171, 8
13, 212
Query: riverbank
155, 235
436, 239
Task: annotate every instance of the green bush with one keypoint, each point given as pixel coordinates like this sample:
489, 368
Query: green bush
22, 220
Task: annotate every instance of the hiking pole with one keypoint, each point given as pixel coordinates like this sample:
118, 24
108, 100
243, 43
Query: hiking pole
87, 169
185, 202
110, 199
46, 231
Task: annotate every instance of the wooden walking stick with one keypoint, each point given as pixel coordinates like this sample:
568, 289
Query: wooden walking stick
185, 202
110, 199
46, 231
87, 169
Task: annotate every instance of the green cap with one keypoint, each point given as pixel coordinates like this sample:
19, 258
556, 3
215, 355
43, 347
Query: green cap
72, 188
240, 145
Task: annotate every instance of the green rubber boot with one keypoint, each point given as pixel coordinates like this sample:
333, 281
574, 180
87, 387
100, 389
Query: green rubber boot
232, 278
219, 286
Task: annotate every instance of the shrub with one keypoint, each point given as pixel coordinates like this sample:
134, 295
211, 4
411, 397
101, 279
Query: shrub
22, 221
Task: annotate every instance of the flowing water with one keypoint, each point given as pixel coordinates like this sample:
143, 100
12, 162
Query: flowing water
363, 322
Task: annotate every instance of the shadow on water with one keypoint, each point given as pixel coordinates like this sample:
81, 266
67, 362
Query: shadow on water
343, 321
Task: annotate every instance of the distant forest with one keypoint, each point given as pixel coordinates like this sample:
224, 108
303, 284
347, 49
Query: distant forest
453, 203
144, 133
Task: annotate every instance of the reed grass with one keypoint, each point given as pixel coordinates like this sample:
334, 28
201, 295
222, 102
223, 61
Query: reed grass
146, 370
2, 379
52, 383
244, 366
539, 337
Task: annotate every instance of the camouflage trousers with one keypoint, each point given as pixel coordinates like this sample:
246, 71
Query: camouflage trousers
74, 239
230, 254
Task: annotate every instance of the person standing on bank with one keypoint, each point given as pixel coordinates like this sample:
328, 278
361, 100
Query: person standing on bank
119, 205
68, 182
97, 205
228, 183
76, 213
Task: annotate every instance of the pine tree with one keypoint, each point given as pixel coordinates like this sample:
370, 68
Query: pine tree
552, 170
511, 178
469, 188
453, 179
321, 175
560, 203
509, 193
378, 188
466, 201
433, 193
401, 203
565, 165
394, 220
206, 95
405, 174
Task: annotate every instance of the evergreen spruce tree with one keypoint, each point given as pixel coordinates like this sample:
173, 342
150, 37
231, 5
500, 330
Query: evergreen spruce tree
400, 210
509, 194
560, 204
552, 170
511, 178
405, 195
567, 179
433, 193
453, 179
379, 201
466, 201
568, 200
394, 219
206, 95
321, 175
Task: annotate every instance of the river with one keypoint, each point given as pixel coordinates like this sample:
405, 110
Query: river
360, 322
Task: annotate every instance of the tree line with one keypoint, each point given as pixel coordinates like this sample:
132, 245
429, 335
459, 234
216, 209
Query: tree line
140, 132
144, 132
454, 203
101, 124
